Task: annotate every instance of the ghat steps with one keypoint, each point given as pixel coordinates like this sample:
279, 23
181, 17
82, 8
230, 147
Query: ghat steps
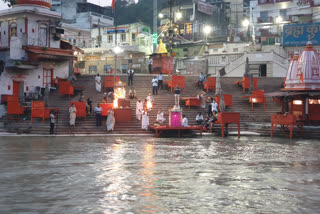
164, 100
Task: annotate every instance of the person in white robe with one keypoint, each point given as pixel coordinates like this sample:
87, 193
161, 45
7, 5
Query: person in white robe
139, 109
110, 120
184, 122
160, 117
73, 115
145, 120
98, 83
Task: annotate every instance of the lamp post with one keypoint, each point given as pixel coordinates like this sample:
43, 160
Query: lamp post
279, 20
207, 30
117, 50
246, 23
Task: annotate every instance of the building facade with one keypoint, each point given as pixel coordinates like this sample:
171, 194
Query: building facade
31, 51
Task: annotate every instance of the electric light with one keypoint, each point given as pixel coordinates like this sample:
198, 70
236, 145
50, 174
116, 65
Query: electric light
279, 19
117, 50
179, 15
297, 102
254, 100
161, 15
245, 23
207, 29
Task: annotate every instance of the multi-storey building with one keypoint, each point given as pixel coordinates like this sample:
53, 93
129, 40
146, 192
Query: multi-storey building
32, 53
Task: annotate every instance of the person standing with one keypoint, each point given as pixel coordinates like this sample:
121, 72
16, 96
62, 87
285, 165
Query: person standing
150, 65
155, 86
139, 109
89, 105
176, 91
199, 118
52, 122
203, 99
73, 115
98, 83
145, 120
130, 77
110, 120
184, 122
214, 107
160, 81
98, 111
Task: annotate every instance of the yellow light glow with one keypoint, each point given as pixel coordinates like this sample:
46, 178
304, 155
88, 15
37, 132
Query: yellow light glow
297, 102
115, 103
254, 100
314, 101
149, 105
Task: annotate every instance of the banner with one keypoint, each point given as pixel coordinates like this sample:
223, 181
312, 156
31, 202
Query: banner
300, 34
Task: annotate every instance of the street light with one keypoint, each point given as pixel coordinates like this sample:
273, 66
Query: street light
178, 15
245, 23
279, 19
161, 15
117, 50
207, 30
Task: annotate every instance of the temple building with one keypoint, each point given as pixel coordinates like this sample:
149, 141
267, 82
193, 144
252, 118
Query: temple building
300, 97
32, 53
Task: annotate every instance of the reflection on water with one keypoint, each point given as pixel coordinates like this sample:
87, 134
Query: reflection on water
147, 175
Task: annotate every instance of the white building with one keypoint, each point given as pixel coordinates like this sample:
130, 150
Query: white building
31, 51
131, 37
268, 16
77, 36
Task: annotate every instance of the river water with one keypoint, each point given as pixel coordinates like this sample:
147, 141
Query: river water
148, 175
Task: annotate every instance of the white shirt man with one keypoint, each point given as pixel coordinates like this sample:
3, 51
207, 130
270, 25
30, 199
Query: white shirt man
214, 106
160, 117
184, 121
98, 83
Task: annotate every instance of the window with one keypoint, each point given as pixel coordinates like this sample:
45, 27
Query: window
43, 36
74, 41
283, 14
188, 28
47, 77
83, 44
133, 36
92, 69
123, 37
110, 38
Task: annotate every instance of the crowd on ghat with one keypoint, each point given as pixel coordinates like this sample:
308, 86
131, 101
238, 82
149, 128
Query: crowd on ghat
142, 107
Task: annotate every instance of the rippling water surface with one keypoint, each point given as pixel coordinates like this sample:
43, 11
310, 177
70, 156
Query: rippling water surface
147, 175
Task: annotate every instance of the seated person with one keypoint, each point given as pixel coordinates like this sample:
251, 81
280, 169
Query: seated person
184, 122
176, 108
105, 99
110, 96
200, 82
199, 118
150, 98
160, 117
132, 93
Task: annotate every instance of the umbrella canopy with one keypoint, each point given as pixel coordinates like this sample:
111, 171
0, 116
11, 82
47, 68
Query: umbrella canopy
222, 106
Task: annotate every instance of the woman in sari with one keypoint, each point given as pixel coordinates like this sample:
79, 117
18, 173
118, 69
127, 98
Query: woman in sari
110, 120
73, 115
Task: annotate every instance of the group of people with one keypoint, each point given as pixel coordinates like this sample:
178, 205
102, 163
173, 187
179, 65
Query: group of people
207, 123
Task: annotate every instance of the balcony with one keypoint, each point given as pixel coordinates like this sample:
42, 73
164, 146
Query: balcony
278, 1
261, 2
265, 20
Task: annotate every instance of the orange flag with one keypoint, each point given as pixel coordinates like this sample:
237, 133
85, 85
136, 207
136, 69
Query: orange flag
301, 77
113, 4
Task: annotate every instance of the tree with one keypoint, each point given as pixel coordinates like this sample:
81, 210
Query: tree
10, 2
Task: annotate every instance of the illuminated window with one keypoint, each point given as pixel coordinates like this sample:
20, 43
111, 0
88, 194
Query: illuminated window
297, 102
314, 101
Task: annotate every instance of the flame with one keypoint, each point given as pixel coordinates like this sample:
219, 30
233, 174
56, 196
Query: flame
115, 103
149, 105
